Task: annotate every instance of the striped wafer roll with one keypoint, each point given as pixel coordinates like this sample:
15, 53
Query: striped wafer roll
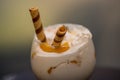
59, 36
37, 24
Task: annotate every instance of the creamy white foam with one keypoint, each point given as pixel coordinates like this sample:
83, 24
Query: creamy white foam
76, 36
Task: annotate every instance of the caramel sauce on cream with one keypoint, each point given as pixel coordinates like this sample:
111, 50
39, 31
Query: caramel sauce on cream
48, 48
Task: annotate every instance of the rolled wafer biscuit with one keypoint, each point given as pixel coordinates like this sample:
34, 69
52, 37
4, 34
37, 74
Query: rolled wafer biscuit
59, 36
37, 24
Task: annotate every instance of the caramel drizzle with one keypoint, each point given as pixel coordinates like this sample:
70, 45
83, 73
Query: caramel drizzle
68, 62
74, 62
33, 54
50, 70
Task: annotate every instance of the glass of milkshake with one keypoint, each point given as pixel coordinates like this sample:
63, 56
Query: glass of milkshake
61, 51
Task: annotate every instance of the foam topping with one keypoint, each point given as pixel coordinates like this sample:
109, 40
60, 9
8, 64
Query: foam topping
76, 36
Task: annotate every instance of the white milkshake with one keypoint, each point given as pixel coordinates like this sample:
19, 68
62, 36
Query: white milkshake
74, 63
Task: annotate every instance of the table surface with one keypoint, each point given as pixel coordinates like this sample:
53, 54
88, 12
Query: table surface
98, 74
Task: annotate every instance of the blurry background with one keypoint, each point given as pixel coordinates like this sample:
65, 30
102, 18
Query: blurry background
102, 17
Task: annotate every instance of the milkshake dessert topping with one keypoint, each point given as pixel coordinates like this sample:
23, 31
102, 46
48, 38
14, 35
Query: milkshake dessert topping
41, 36
61, 51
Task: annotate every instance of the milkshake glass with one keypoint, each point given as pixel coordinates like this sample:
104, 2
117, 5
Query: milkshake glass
75, 63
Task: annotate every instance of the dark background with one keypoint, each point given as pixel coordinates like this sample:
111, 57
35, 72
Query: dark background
102, 17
